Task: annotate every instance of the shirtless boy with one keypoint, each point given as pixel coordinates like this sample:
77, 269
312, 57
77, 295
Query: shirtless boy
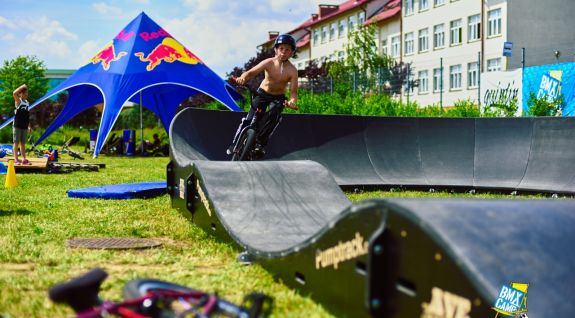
278, 73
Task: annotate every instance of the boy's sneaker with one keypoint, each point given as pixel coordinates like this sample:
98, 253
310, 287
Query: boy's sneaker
26, 162
259, 150
17, 161
230, 150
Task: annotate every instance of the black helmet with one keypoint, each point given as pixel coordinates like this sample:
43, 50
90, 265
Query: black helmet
285, 39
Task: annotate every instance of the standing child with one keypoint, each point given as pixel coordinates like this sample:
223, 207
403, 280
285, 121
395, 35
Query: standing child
21, 124
279, 72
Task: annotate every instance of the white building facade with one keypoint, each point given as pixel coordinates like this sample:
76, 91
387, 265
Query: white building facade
448, 43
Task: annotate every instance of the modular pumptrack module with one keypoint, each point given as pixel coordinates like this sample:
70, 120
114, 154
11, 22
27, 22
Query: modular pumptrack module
393, 257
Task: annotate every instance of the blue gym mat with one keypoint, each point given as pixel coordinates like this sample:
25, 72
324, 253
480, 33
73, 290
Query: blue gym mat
140, 190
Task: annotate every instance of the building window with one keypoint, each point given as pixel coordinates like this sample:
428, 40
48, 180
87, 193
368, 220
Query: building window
332, 31
384, 47
350, 24
437, 80
361, 18
408, 7
474, 27
423, 5
341, 28
456, 32
438, 36
423, 40
455, 77
409, 43
494, 22
324, 34
438, 2
315, 37
395, 46
423, 82
494, 65
472, 75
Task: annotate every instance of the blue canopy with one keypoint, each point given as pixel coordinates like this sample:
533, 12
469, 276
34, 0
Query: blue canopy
143, 58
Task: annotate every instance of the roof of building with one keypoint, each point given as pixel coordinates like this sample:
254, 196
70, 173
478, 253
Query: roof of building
326, 12
392, 8
329, 14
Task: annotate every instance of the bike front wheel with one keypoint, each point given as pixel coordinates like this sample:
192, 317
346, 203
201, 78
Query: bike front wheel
145, 287
245, 145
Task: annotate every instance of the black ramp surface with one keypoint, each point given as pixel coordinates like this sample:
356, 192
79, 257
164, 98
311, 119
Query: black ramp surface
502, 241
446, 146
552, 153
502, 151
532, 154
389, 256
274, 205
393, 148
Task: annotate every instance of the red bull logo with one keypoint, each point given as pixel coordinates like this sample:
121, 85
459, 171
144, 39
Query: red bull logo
107, 55
124, 36
169, 51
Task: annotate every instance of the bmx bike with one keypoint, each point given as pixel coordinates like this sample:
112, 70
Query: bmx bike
245, 147
152, 298
261, 126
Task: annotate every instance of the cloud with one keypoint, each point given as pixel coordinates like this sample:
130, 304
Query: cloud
86, 51
106, 9
5, 23
223, 36
41, 37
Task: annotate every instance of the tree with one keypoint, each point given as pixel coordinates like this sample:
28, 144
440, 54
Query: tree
545, 105
254, 82
316, 76
27, 70
395, 76
365, 68
361, 49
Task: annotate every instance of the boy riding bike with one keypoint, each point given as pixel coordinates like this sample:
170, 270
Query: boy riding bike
279, 72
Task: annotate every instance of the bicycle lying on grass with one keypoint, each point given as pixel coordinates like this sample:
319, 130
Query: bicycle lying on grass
152, 298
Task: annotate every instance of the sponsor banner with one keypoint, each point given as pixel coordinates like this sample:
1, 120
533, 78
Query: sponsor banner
551, 81
502, 86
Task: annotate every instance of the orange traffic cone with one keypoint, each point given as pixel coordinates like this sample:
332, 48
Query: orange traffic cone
11, 181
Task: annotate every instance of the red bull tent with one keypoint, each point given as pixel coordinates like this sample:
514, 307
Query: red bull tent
144, 58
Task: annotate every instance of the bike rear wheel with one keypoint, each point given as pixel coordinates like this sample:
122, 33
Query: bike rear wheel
245, 145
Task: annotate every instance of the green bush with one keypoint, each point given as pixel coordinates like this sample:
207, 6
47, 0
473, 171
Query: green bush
502, 108
431, 111
543, 106
463, 108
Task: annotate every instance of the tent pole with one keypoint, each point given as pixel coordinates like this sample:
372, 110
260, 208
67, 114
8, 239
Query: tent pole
141, 127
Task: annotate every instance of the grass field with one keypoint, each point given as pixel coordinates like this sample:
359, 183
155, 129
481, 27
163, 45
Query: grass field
37, 218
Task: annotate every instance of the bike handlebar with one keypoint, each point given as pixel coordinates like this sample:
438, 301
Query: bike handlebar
80, 293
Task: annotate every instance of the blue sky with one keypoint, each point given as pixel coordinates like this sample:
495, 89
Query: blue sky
65, 34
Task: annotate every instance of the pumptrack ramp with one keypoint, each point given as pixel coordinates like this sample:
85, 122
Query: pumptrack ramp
394, 257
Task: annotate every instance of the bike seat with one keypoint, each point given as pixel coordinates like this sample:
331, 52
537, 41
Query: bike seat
80, 293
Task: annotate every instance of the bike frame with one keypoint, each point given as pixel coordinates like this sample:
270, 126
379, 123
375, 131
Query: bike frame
244, 147
151, 298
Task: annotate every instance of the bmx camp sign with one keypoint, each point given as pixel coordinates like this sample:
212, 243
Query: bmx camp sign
551, 81
545, 81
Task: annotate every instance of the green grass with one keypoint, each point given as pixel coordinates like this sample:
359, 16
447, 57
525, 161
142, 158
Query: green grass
37, 218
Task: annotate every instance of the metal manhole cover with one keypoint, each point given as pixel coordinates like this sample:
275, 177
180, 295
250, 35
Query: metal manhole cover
119, 243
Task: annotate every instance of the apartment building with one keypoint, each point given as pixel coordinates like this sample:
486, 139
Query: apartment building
324, 35
448, 43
